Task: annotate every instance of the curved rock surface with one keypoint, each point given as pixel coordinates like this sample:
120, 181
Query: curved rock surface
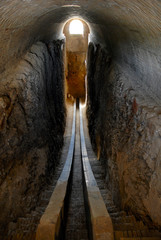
125, 130
123, 105
32, 124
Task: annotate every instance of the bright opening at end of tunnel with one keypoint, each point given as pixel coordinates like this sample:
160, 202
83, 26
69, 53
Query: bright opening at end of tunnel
76, 27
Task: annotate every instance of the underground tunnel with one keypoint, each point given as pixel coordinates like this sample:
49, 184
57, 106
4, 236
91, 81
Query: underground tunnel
116, 74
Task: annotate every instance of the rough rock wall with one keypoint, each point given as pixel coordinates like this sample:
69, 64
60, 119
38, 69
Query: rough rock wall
32, 121
125, 129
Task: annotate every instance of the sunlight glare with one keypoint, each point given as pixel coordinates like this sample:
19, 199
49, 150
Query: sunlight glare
76, 27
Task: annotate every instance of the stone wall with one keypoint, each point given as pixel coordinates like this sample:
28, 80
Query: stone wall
125, 129
32, 121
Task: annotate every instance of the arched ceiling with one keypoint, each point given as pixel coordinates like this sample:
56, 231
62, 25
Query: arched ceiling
131, 29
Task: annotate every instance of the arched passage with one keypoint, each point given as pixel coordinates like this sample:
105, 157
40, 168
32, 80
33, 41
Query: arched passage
75, 57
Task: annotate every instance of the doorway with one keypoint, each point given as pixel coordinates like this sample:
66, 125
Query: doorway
76, 32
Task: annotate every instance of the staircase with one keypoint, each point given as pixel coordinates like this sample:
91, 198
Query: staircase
126, 227
25, 227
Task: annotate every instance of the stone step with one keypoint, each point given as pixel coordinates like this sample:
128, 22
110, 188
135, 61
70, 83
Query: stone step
106, 192
124, 219
98, 169
124, 226
118, 235
140, 226
150, 233
101, 184
20, 236
44, 201
109, 204
118, 214
99, 176
40, 210
95, 165
138, 238
137, 234
112, 209
129, 218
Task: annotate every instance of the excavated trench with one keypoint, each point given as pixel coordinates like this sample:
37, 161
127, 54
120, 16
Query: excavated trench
123, 109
